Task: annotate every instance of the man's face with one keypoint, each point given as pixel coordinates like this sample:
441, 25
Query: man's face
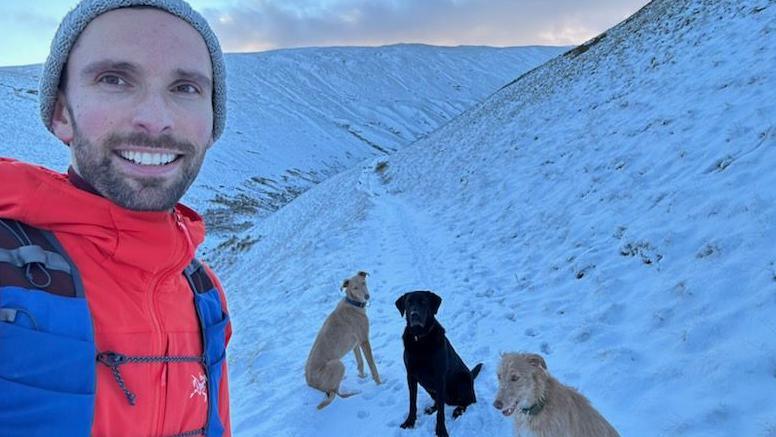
136, 108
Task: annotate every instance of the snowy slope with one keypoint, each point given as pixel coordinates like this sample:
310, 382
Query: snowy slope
299, 116
613, 210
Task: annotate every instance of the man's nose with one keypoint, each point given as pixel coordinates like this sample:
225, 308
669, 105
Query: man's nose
153, 114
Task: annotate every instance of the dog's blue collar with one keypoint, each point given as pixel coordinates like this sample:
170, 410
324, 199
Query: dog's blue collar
534, 409
355, 302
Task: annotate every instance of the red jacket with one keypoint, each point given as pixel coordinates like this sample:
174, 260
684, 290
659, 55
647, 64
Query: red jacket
141, 304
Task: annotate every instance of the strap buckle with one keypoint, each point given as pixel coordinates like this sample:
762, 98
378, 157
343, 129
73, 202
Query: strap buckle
112, 359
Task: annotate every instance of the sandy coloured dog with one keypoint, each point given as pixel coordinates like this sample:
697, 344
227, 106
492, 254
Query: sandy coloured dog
543, 407
346, 329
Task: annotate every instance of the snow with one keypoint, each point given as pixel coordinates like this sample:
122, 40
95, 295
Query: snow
612, 210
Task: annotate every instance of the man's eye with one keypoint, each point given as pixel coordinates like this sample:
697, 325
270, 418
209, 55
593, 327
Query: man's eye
112, 79
186, 88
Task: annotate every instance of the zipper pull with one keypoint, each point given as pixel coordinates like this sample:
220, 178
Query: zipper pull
182, 226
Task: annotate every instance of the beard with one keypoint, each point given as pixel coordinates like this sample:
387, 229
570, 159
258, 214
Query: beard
96, 164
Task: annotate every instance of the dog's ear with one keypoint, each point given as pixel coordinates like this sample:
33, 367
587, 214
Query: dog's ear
346, 283
537, 361
435, 302
362, 274
400, 302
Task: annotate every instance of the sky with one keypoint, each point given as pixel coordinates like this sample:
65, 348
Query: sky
258, 25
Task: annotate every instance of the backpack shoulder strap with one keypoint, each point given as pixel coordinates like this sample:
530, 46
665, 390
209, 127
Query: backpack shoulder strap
213, 322
33, 258
198, 278
47, 352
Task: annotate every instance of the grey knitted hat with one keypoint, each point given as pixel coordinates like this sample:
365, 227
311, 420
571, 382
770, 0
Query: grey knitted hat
76, 21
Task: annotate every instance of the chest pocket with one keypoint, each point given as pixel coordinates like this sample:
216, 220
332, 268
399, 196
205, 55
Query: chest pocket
47, 351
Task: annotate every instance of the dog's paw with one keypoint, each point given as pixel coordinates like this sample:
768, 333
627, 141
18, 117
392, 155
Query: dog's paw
441, 431
409, 423
378, 381
430, 410
458, 411
362, 375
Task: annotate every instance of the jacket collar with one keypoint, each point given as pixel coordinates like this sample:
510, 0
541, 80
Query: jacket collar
80, 182
151, 241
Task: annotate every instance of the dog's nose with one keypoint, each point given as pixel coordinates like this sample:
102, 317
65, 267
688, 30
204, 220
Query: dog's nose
498, 404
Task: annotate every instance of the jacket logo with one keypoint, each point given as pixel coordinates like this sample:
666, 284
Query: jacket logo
200, 386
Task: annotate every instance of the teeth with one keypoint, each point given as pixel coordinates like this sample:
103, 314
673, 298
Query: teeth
145, 158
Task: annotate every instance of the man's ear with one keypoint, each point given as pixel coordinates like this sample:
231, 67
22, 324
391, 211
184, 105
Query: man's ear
435, 302
62, 120
400, 302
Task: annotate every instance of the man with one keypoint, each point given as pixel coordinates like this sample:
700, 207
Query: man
108, 326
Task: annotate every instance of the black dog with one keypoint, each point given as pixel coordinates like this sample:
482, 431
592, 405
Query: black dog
431, 361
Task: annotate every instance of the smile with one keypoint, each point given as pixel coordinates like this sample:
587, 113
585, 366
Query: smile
145, 158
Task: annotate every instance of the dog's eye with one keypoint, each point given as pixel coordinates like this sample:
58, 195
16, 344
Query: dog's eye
515, 378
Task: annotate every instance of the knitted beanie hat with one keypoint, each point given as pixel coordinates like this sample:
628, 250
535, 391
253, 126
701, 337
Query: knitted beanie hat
76, 21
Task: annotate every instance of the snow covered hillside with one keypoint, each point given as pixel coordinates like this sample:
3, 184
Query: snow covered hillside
613, 210
299, 116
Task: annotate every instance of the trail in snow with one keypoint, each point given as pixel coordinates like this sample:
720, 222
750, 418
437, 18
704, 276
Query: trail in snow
411, 251
404, 234
403, 252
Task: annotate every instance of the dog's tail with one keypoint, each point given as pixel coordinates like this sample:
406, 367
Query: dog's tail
348, 394
327, 401
476, 371
330, 397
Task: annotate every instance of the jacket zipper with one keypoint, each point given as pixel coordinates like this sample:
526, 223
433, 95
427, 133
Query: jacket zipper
161, 394
182, 226
159, 341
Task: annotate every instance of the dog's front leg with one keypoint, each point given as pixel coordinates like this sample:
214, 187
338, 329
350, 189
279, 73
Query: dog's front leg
439, 403
370, 359
412, 383
359, 361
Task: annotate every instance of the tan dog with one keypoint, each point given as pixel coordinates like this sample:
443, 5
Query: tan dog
346, 329
544, 407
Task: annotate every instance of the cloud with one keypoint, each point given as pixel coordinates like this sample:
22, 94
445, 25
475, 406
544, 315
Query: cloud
251, 25
26, 37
